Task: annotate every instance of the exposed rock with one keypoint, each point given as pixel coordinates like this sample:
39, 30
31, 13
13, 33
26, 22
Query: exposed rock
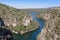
10, 21
15, 32
16, 19
51, 30
26, 20
44, 16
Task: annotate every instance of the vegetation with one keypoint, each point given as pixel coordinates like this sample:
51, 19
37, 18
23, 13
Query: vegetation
51, 30
15, 19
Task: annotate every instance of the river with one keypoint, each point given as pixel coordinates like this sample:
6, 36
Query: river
33, 34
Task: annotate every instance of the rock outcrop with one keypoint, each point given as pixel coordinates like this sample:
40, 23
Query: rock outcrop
16, 20
51, 30
26, 20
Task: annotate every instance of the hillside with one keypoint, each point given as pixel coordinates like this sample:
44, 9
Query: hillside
51, 30
17, 20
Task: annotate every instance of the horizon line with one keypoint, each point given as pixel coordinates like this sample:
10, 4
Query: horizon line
30, 7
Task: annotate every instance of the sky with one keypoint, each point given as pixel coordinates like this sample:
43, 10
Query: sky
21, 4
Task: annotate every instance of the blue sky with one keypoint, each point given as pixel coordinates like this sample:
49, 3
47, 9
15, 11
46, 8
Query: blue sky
31, 3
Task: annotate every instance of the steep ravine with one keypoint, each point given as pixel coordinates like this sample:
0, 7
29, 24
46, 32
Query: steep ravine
32, 34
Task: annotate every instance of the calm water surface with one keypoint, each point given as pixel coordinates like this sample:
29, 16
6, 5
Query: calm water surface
33, 34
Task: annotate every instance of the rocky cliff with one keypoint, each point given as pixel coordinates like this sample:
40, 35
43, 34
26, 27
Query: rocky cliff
16, 20
51, 30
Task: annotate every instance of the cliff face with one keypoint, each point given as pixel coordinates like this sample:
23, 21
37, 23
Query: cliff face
15, 19
26, 20
51, 30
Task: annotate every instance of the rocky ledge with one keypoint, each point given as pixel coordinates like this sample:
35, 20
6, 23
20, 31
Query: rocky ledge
51, 30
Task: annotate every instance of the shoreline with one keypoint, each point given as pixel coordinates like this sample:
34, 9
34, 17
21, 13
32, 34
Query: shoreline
23, 32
